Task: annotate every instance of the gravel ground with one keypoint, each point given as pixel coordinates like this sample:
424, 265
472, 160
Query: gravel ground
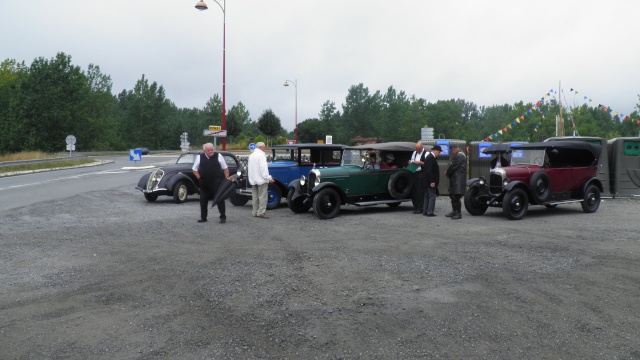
107, 275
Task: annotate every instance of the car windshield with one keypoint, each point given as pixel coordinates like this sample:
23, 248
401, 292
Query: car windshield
187, 159
536, 157
353, 157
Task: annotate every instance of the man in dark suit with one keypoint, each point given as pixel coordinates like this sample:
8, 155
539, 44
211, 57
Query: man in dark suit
430, 180
457, 174
210, 169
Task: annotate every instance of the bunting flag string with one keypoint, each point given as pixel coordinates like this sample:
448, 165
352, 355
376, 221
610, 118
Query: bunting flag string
537, 107
547, 99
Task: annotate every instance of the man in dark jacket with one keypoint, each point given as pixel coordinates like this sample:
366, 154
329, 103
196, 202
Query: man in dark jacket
457, 174
430, 180
210, 169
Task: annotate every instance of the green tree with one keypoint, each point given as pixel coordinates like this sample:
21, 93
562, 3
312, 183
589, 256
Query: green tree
237, 119
311, 130
11, 73
269, 124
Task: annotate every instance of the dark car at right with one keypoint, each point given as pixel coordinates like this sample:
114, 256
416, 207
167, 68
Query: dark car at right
543, 173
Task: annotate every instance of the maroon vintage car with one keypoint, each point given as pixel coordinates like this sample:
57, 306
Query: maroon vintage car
544, 173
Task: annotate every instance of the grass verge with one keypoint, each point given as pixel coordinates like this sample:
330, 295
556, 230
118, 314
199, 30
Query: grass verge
42, 166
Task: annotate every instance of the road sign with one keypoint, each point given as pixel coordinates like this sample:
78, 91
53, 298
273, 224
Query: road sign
215, 127
291, 142
71, 140
252, 146
135, 154
215, 133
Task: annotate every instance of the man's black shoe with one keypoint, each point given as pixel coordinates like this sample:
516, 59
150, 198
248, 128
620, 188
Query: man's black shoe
431, 215
202, 220
223, 220
417, 211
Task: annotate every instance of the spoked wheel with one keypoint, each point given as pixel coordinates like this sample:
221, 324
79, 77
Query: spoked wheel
326, 204
238, 200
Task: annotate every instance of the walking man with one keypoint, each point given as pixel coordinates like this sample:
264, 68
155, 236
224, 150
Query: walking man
457, 174
430, 181
259, 179
210, 169
417, 158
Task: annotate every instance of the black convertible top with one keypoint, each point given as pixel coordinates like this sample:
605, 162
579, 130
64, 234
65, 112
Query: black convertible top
309, 145
564, 145
389, 146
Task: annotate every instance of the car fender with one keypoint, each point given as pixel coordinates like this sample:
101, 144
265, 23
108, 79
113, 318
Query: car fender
172, 181
590, 181
142, 183
514, 184
283, 188
315, 190
473, 182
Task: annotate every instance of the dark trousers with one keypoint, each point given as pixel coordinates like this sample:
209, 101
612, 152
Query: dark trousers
429, 203
207, 192
455, 202
418, 190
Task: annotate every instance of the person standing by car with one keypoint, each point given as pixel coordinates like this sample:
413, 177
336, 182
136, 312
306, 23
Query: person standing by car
457, 174
430, 181
210, 170
417, 158
259, 179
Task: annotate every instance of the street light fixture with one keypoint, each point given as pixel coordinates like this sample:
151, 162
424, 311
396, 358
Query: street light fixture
202, 6
295, 84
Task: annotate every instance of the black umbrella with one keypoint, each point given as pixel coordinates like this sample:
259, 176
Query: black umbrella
225, 189
498, 148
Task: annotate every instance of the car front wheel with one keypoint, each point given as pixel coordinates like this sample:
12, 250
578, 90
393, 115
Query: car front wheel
150, 197
297, 207
180, 192
515, 204
238, 200
591, 200
471, 203
326, 204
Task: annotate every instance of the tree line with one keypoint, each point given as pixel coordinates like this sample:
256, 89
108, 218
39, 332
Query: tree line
42, 103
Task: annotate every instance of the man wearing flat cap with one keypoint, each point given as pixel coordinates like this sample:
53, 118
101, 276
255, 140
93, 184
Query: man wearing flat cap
430, 181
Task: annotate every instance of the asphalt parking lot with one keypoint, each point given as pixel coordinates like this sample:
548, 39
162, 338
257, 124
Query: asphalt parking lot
107, 275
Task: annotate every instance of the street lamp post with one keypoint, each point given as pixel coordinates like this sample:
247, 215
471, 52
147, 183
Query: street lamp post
295, 84
202, 6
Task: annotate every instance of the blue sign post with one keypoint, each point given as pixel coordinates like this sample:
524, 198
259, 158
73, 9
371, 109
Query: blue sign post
252, 146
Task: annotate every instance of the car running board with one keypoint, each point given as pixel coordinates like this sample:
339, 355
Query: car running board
378, 202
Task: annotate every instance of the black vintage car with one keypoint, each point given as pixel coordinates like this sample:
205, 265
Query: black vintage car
178, 180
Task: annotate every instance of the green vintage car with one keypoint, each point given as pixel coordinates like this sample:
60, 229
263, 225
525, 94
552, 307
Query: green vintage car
360, 180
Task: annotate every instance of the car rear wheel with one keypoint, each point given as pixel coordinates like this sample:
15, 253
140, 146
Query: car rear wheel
297, 207
515, 204
150, 197
326, 204
471, 203
238, 200
591, 200
274, 196
180, 192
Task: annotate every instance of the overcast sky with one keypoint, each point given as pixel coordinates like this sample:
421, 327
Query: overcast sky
488, 52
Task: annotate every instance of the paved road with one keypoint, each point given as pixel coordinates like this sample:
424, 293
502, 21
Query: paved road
27, 189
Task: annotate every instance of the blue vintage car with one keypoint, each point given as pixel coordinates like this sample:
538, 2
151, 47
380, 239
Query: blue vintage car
288, 163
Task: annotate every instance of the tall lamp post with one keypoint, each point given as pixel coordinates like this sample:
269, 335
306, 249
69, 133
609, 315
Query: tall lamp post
202, 6
295, 84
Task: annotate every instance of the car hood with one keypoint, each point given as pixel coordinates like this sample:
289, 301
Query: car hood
339, 170
281, 164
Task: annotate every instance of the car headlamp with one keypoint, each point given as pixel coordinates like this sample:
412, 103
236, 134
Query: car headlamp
482, 181
303, 180
505, 182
